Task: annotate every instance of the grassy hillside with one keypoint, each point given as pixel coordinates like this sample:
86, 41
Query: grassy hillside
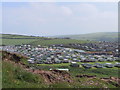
102, 36
8, 39
16, 76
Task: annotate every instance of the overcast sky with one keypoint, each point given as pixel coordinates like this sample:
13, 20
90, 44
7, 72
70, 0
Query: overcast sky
47, 19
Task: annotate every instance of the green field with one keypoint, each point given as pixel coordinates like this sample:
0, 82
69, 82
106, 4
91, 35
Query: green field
17, 41
20, 39
57, 41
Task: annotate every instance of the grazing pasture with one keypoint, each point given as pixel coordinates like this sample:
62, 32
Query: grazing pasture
8, 39
16, 41
57, 41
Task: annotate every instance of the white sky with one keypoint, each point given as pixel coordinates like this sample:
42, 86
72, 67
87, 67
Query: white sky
45, 19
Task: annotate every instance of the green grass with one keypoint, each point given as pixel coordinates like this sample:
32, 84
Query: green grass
67, 64
16, 41
10, 39
100, 72
91, 83
57, 41
38, 42
16, 77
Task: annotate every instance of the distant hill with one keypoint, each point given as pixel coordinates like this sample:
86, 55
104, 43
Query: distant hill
12, 36
100, 36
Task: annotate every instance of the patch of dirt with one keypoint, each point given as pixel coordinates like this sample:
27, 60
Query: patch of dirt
12, 56
114, 80
88, 76
52, 76
111, 78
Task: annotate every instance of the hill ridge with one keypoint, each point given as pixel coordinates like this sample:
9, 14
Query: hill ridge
98, 36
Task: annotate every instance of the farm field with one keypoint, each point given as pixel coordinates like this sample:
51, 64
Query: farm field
57, 41
9, 39
17, 41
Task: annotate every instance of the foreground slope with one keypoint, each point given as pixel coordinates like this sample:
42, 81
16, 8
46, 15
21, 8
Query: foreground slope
16, 75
